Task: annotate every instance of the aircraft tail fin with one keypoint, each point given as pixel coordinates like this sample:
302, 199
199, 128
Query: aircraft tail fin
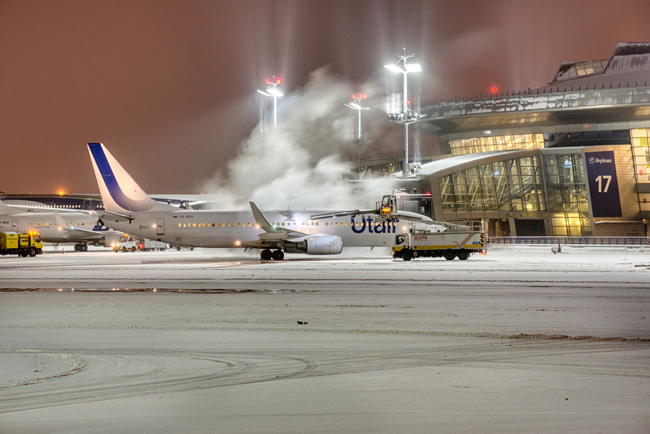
120, 193
6, 209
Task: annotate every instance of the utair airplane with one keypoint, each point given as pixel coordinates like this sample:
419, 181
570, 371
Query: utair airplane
60, 227
129, 209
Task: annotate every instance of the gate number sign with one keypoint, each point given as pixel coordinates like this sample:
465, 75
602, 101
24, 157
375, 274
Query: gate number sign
603, 184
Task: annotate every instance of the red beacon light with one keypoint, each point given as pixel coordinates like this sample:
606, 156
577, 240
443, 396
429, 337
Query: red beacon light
278, 80
493, 90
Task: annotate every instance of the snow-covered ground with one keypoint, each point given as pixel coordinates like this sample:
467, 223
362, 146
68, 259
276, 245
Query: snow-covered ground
520, 340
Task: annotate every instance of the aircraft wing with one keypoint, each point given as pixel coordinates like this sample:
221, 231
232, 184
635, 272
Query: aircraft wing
75, 232
403, 215
333, 214
114, 216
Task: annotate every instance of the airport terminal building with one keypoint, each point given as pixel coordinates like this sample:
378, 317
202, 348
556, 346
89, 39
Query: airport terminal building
568, 159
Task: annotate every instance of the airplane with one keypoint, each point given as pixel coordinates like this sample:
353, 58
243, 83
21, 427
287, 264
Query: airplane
128, 208
93, 202
80, 228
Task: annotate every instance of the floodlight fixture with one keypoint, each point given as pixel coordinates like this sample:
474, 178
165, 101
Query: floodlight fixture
404, 68
393, 68
356, 105
413, 67
272, 91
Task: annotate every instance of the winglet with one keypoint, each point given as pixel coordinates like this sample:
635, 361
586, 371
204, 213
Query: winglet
260, 219
59, 221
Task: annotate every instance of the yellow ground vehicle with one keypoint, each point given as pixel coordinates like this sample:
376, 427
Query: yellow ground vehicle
29, 244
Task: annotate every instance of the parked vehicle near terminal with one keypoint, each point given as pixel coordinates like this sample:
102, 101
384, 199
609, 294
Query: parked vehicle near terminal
448, 241
24, 245
130, 243
125, 243
147, 244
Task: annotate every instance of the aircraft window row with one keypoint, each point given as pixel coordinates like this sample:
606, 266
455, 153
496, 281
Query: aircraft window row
248, 224
308, 223
219, 225
47, 225
56, 205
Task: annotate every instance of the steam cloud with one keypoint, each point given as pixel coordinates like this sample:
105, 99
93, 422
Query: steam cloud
298, 165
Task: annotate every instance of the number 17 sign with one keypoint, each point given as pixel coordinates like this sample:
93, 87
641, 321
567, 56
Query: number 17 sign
603, 184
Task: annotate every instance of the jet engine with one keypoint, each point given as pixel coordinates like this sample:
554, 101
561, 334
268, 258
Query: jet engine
317, 244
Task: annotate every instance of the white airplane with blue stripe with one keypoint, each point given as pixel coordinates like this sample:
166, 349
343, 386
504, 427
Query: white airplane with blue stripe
129, 209
58, 226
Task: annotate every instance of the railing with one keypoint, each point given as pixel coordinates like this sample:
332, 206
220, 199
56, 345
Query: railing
538, 91
601, 241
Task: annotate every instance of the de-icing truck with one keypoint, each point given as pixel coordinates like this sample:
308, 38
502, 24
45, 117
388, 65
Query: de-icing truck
440, 240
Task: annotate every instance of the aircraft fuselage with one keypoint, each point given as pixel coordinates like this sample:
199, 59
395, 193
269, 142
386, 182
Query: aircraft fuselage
238, 228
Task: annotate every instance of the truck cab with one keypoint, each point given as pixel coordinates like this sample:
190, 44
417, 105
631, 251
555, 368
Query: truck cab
29, 244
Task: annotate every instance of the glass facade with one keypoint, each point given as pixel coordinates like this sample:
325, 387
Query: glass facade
517, 185
567, 196
373, 171
496, 143
641, 154
508, 185
580, 69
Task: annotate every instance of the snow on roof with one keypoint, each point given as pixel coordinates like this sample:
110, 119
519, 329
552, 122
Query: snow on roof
460, 162
628, 57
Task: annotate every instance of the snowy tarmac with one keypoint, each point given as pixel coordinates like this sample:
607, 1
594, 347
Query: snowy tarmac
213, 341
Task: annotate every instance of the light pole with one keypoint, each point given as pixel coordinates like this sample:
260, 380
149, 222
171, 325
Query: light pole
356, 105
271, 90
406, 118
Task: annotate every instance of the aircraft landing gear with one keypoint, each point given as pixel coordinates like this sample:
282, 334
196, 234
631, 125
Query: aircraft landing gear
80, 247
276, 255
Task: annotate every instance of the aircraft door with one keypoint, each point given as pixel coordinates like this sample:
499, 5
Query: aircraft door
14, 225
160, 227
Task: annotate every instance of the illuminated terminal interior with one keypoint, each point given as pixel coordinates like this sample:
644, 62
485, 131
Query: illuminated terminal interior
518, 186
496, 143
